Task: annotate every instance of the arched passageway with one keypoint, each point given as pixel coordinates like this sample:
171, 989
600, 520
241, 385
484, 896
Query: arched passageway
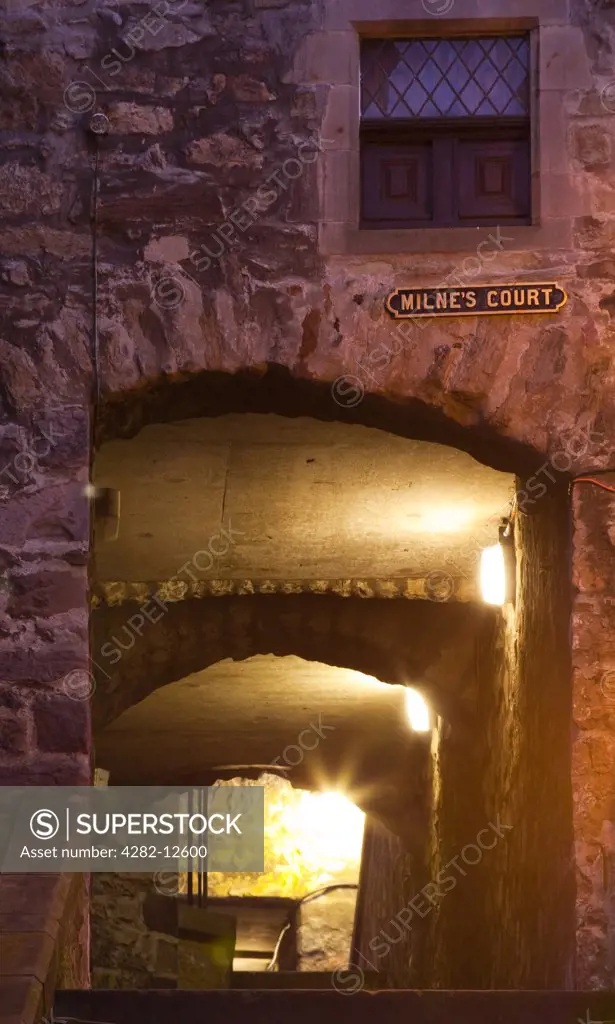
273, 389
312, 498
319, 726
140, 646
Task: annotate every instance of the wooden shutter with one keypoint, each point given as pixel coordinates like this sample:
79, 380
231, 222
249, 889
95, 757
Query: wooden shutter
396, 183
493, 179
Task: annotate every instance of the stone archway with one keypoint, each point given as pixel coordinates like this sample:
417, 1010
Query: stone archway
150, 643
290, 391
489, 662
319, 726
276, 299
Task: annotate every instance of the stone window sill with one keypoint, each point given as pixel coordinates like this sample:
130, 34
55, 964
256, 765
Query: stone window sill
340, 239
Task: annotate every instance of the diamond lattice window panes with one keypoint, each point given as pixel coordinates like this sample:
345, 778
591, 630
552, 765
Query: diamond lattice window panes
445, 131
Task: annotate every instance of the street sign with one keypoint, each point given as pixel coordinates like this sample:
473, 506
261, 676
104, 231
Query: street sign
475, 300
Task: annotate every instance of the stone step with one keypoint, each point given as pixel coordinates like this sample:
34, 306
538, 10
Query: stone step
330, 1007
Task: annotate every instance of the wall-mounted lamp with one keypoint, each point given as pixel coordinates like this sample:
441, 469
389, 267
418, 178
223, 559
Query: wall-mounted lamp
417, 711
498, 568
105, 504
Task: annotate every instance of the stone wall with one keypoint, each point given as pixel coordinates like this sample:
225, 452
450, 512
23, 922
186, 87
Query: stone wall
44, 546
503, 793
488, 900
593, 745
205, 109
324, 931
134, 932
388, 874
43, 943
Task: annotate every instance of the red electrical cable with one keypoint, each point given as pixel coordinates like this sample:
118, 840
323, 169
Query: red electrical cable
590, 480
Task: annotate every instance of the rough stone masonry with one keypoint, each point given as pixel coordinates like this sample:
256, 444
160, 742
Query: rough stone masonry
224, 248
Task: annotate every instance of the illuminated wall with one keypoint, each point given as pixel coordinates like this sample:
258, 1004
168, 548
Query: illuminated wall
311, 840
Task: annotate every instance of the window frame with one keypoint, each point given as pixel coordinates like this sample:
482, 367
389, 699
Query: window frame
389, 130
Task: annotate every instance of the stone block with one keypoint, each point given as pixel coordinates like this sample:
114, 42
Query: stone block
21, 1000
13, 734
26, 190
340, 186
44, 894
12, 698
47, 593
594, 232
158, 33
564, 60
340, 14
331, 57
62, 724
552, 133
558, 192
163, 982
340, 124
57, 511
134, 119
250, 90
333, 238
51, 771
600, 270
166, 962
324, 931
222, 150
591, 145
29, 923
160, 913
48, 664
27, 954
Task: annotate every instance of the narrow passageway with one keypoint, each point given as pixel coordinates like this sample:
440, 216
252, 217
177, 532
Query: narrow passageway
278, 585
312, 722
307, 420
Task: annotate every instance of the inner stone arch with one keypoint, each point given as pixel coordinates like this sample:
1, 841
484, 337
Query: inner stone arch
319, 726
142, 644
422, 412
354, 580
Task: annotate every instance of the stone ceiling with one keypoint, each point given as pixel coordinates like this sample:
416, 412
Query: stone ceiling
326, 727
311, 500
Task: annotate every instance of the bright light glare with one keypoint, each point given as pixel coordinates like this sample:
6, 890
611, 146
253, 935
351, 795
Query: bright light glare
493, 575
418, 712
446, 520
436, 519
328, 827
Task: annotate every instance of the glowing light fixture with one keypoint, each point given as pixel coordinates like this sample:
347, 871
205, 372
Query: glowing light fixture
418, 711
498, 568
493, 575
328, 827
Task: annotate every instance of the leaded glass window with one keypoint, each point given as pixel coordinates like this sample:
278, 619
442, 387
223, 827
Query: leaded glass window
445, 130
